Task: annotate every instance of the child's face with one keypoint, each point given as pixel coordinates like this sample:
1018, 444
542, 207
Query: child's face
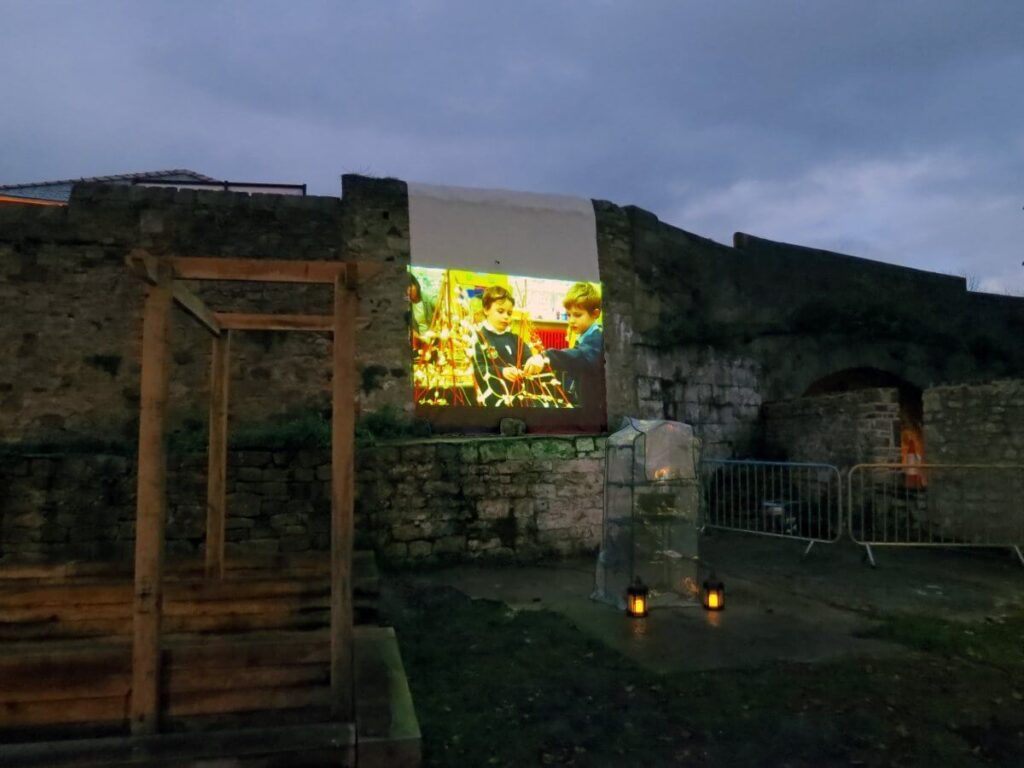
499, 314
580, 319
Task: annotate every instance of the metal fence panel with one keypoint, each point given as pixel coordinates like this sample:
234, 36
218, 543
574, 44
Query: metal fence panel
963, 505
790, 500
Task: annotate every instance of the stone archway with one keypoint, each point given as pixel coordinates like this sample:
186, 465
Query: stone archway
911, 409
847, 417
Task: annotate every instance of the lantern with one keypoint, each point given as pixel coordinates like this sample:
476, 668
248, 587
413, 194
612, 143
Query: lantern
713, 595
637, 599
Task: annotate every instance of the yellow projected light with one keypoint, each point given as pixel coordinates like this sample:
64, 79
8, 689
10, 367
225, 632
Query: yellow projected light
483, 340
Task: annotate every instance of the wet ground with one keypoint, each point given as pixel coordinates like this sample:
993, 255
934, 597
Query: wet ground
780, 605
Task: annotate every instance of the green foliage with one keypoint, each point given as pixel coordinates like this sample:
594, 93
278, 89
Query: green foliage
300, 430
998, 640
389, 423
73, 445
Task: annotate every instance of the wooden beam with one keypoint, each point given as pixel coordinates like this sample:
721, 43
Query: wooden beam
192, 304
151, 510
268, 270
342, 492
253, 322
217, 456
152, 270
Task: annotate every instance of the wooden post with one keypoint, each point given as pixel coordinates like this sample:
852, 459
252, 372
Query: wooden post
342, 491
217, 455
151, 510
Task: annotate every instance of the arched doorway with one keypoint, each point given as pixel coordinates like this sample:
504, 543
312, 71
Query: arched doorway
911, 409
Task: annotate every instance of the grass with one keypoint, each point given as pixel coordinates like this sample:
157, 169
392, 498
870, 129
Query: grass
495, 687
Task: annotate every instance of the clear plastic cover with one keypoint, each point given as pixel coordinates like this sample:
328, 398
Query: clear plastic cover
652, 513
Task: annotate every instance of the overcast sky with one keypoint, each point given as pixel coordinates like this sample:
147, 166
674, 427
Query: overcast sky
890, 130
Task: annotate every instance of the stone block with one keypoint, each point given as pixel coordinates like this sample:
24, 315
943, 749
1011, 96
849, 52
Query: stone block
519, 450
492, 509
249, 474
421, 453
420, 549
450, 545
512, 427
523, 509
553, 449
469, 453
254, 458
483, 545
295, 543
406, 532
260, 546
30, 520
496, 450
396, 551
279, 522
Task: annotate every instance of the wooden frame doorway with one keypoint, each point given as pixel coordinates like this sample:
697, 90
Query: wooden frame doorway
164, 275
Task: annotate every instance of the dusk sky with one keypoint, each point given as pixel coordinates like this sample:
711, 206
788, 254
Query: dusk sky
890, 130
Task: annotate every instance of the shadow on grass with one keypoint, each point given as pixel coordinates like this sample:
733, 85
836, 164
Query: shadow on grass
495, 687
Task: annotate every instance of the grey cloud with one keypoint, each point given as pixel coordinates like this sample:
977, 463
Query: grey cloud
664, 104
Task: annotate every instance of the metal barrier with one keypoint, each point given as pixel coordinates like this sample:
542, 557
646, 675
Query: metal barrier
785, 499
942, 505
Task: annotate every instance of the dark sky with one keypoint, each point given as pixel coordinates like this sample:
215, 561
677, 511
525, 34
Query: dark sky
891, 130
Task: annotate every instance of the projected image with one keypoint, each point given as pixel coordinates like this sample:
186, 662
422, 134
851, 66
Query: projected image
499, 341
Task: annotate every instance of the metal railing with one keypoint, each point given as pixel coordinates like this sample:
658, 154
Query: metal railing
790, 500
942, 505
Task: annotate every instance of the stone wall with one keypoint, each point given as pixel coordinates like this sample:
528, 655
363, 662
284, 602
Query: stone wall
857, 427
514, 498
704, 329
70, 312
704, 332
457, 499
970, 425
975, 424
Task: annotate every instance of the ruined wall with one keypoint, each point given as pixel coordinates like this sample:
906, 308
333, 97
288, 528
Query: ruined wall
975, 424
415, 501
969, 425
844, 429
705, 332
70, 313
510, 498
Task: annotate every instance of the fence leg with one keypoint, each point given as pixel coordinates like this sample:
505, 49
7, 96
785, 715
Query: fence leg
1020, 556
808, 550
871, 556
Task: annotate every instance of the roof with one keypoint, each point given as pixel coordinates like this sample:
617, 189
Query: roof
60, 191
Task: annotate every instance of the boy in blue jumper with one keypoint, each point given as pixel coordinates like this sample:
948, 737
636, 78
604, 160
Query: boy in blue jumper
582, 367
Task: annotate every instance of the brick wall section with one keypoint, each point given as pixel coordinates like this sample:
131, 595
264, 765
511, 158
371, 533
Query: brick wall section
842, 429
453, 499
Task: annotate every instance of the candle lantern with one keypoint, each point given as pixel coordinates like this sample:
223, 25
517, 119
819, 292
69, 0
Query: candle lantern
713, 594
637, 599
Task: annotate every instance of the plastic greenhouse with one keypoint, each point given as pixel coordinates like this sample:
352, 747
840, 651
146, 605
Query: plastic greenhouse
651, 513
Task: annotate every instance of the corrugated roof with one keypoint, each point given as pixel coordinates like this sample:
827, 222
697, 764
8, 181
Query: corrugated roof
61, 190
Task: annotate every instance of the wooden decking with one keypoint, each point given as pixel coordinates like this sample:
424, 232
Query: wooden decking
249, 654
